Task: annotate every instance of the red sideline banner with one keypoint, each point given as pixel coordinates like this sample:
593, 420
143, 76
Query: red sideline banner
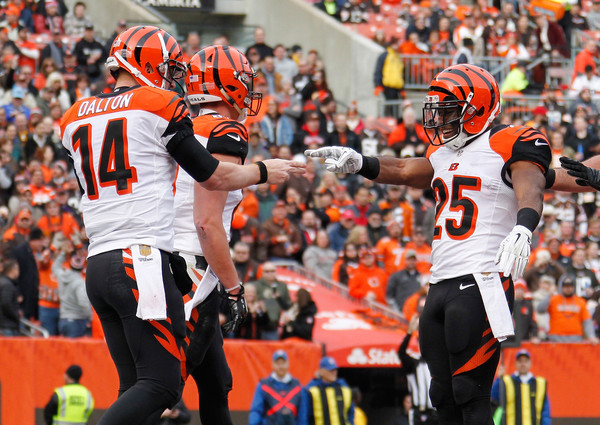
31, 368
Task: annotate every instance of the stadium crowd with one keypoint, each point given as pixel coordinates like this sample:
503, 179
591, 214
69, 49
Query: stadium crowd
373, 238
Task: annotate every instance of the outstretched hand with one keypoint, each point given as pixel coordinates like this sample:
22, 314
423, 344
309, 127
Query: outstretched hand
584, 176
338, 159
279, 170
513, 254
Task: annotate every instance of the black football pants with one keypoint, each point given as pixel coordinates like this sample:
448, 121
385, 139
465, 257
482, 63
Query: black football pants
147, 354
460, 350
206, 361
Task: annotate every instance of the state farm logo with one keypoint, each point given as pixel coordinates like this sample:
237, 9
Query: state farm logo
376, 356
342, 321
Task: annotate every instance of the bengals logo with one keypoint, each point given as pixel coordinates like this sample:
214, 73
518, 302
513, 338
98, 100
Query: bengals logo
453, 166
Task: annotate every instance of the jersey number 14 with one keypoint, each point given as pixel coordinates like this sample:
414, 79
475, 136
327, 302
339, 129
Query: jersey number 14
113, 168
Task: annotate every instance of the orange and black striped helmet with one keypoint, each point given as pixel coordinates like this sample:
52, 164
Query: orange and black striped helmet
222, 73
150, 54
462, 102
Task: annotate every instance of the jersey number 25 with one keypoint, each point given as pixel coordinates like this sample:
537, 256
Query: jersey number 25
458, 203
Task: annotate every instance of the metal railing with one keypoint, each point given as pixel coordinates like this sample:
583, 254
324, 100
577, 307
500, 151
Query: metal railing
30, 329
342, 290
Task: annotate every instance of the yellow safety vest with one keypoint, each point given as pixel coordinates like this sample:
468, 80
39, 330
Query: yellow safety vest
331, 405
524, 402
75, 405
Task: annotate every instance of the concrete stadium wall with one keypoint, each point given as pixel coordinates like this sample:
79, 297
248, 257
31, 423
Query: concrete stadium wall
106, 13
348, 57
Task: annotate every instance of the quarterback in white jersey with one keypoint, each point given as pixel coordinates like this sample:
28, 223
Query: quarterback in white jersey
488, 183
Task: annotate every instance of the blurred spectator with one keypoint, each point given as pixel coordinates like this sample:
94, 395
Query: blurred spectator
309, 136
413, 306
319, 257
76, 20
570, 320
272, 77
543, 265
354, 12
309, 226
551, 37
122, 26
55, 220
191, 46
49, 298
316, 87
56, 85
372, 142
584, 103
403, 283
330, 7
299, 320
342, 135
581, 139
16, 105
257, 145
375, 228
389, 247
9, 299
259, 44
405, 416
90, 54
408, 134
303, 76
420, 245
546, 288
586, 283
516, 80
29, 281
75, 307
326, 109
18, 233
277, 127
353, 120
245, 266
345, 265
49, 16
401, 210
368, 281
40, 192
257, 317
587, 80
28, 50
275, 296
360, 206
47, 66
593, 16
468, 29
249, 230
284, 66
359, 236
388, 77
277, 397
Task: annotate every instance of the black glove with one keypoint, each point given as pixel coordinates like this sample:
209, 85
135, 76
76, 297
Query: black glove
585, 176
237, 307
179, 269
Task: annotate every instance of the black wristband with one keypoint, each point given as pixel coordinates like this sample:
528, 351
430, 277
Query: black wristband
550, 178
370, 167
528, 217
264, 175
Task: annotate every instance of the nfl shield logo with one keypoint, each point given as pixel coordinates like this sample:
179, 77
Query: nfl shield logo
145, 250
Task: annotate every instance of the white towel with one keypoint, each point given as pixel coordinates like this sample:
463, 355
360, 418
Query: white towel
204, 287
496, 306
147, 265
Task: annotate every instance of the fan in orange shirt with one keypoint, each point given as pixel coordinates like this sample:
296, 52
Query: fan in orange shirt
345, 265
368, 281
403, 210
55, 220
423, 250
389, 249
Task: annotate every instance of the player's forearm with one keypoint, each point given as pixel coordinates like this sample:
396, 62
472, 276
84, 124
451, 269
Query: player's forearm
415, 172
528, 184
566, 183
229, 176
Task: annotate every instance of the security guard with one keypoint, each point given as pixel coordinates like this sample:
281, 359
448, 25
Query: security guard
71, 404
326, 400
521, 397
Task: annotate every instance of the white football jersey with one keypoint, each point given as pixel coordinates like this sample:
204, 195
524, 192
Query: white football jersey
476, 207
118, 145
218, 135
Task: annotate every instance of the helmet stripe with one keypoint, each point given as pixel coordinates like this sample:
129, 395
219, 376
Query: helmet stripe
168, 37
487, 83
454, 83
228, 55
137, 52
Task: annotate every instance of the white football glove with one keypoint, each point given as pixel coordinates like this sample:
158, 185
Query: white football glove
338, 159
513, 254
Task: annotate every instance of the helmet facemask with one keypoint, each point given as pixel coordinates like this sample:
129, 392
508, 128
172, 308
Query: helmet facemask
253, 100
444, 121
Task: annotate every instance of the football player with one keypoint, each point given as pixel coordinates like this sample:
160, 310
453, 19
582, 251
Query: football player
488, 183
124, 146
220, 93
